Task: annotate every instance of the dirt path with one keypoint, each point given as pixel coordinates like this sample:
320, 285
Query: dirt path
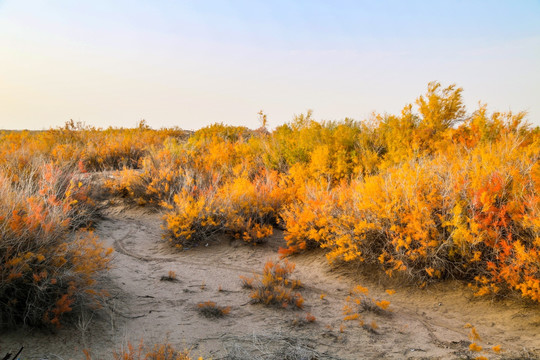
423, 324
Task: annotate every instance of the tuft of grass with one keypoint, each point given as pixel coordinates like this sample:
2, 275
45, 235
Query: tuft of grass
210, 309
171, 276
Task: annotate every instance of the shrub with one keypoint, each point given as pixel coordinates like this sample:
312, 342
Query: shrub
469, 214
359, 301
192, 219
242, 208
49, 263
275, 287
210, 309
160, 351
163, 174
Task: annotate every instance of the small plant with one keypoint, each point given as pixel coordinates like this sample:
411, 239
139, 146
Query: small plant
247, 282
310, 318
161, 351
171, 276
475, 347
300, 321
210, 309
359, 301
275, 286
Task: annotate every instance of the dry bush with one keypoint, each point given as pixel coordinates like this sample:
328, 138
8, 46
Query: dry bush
210, 309
49, 262
161, 351
171, 276
277, 346
275, 287
359, 302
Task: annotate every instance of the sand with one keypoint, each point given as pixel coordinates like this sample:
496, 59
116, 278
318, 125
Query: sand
422, 324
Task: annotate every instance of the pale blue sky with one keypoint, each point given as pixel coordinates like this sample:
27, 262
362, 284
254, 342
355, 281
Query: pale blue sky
193, 63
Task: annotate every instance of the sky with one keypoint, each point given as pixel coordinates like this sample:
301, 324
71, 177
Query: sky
194, 63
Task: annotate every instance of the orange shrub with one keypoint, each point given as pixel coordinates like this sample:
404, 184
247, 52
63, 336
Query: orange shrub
245, 209
275, 287
192, 219
160, 351
49, 267
307, 220
162, 176
431, 192
452, 214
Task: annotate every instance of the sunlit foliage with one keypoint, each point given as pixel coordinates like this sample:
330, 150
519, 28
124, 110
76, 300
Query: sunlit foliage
433, 192
48, 262
275, 287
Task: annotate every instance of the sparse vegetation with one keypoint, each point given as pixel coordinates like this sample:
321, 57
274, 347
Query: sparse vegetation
275, 287
171, 276
161, 351
210, 309
359, 302
475, 348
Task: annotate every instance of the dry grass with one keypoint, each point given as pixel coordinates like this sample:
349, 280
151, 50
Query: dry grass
210, 309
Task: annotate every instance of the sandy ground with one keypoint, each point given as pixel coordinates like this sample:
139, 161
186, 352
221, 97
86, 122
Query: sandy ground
423, 323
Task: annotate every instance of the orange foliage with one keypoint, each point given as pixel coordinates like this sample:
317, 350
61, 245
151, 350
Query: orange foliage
430, 193
275, 287
246, 209
49, 262
160, 351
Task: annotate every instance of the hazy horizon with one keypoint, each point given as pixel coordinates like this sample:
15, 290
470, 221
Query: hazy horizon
191, 64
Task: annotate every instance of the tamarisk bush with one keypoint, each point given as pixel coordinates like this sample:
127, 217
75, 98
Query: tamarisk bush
48, 262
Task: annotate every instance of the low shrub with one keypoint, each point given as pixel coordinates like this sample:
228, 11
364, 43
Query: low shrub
359, 302
49, 262
160, 351
244, 209
275, 287
210, 309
